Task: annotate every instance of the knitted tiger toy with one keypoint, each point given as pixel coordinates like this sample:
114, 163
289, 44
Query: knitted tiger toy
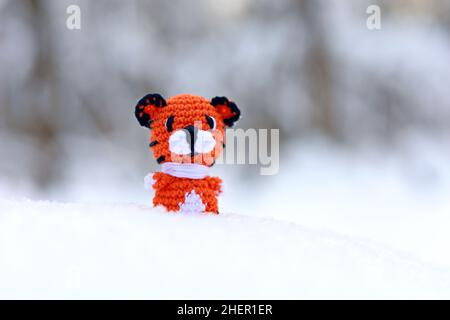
187, 135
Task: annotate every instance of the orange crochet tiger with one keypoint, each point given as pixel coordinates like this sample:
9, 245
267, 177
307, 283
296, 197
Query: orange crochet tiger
187, 135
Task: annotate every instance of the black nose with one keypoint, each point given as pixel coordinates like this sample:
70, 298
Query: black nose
191, 137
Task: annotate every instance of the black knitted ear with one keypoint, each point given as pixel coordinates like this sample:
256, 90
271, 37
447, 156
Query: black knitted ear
147, 108
228, 109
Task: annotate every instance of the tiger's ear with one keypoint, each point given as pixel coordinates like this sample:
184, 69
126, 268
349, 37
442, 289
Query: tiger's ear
228, 109
147, 108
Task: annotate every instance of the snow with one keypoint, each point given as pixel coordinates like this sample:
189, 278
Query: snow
74, 250
400, 199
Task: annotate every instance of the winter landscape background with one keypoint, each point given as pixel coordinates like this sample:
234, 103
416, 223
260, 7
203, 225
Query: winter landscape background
360, 206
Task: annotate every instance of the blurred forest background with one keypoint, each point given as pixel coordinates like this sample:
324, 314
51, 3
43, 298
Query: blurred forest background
311, 68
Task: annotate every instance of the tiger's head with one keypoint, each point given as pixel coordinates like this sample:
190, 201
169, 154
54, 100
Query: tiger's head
186, 128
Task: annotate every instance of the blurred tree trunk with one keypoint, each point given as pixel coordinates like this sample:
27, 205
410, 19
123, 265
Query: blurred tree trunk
318, 67
42, 99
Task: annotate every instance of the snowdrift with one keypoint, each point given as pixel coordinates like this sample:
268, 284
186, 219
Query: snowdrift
58, 250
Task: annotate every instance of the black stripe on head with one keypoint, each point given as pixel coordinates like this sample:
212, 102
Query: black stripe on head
161, 159
153, 143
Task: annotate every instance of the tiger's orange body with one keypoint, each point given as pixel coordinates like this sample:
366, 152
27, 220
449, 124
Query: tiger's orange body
170, 191
186, 129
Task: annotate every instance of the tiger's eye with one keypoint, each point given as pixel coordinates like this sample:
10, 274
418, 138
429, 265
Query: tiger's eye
169, 123
211, 122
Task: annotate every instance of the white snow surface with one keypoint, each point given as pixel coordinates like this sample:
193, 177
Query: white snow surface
70, 250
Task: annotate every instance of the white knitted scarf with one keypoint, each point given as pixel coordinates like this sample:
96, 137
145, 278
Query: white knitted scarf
185, 170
